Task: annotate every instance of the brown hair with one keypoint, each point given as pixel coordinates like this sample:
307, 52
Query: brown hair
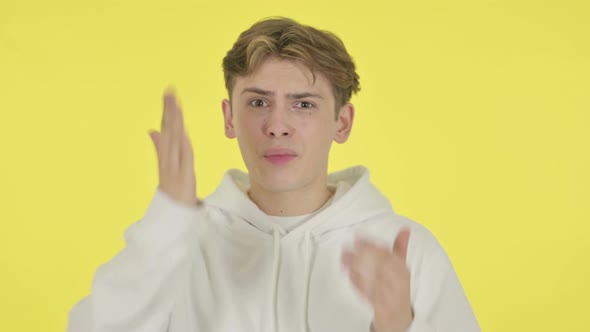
321, 51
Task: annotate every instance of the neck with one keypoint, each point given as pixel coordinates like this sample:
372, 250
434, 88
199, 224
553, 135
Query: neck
290, 203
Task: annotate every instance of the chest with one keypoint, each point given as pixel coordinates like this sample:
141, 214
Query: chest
285, 285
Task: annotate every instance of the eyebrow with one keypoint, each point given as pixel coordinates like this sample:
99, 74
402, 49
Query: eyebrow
289, 95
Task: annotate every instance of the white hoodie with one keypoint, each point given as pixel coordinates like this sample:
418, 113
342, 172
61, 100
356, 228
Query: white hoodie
227, 266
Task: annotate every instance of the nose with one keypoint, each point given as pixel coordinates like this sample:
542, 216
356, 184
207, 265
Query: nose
277, 124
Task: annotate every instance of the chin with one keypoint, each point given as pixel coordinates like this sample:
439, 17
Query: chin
277, 179
278, 182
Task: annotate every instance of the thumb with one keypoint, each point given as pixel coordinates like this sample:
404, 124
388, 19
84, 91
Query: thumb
155, 136
400, 246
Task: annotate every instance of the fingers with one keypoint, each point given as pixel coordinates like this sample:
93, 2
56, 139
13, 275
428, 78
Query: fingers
186, 154
383, 279
172, 135
400, 245
364, 263
374, 271
155, 136
165, 131
175, 155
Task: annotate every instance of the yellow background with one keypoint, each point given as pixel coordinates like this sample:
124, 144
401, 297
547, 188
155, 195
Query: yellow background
473, 118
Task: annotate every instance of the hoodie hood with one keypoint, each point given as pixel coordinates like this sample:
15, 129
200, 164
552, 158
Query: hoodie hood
355, 200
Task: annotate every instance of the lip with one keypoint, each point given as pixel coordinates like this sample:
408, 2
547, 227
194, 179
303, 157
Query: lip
279, 156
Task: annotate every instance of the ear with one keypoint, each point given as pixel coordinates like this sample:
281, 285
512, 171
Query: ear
230, 132
345, 120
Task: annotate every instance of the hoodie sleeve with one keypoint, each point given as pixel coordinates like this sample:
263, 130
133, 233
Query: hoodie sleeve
441, 304
136, 290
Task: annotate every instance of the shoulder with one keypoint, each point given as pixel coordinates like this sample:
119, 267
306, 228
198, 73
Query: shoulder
423, 245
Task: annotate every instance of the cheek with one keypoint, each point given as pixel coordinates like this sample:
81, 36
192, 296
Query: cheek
247, 129
243, 124
318, 132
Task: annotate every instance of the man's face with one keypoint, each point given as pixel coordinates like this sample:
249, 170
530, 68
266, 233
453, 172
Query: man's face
285, 124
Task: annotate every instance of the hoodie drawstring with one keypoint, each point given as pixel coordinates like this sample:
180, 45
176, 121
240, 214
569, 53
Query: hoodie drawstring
277, 232
310, 240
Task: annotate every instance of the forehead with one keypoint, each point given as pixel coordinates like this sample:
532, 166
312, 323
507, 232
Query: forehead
284, 76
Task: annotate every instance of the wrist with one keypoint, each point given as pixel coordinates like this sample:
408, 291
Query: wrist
400, 328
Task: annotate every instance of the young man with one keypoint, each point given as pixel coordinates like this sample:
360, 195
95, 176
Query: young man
285, 247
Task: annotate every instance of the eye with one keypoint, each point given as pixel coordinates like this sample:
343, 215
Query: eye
258, 103
305, 104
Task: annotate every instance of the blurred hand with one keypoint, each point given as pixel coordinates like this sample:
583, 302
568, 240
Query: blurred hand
175, 154
382, 277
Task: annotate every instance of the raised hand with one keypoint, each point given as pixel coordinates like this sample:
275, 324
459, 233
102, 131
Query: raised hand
382, 277
175, 154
